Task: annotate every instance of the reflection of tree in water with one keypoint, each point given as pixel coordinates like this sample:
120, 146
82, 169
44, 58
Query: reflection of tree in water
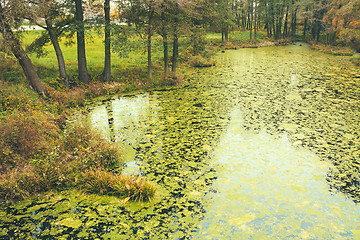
110, 117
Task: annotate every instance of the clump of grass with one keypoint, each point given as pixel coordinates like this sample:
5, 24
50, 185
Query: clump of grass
107, 183
334, 50
200, 61
356, 61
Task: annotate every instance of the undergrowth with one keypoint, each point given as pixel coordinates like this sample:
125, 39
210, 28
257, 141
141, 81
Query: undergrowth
40, 150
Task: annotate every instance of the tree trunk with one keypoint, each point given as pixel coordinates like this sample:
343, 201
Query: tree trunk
150, 13
107, 65
255, 22
285, 33
60, 58
175, 54
226, 32
175, 43
22, 57
305, 28
110, 117
293, 23
165, 42
80, 32
251, 19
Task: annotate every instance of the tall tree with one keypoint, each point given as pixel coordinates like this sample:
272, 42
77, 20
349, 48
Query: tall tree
50, 10
9, 11
164, 33
107, 65
80, 32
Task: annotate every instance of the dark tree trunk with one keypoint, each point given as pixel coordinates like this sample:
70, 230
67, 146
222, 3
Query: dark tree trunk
22, 57
110, 117
165, 42
226, 34
278, 28
150, 15
60, 58
80, 32
251, 17
107, 65
305, 28
243, 19
255, 21
176, 42
293, 23
285, 33
175, 54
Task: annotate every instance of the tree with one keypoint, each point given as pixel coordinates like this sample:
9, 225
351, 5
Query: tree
80, 32
9, 12
164, 34
54, 26
107, 65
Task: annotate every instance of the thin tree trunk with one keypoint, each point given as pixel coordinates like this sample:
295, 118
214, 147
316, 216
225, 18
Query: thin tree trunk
150, 13
110, 117
305, 28
226, 32
251, 19
80, 32
60, 58
293, 23
285, 33
107, 65
22, 57
255, 22
175, 43
165, 42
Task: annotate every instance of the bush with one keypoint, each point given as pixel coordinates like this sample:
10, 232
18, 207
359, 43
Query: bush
26, 135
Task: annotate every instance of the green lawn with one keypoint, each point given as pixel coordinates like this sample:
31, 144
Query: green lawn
122, 68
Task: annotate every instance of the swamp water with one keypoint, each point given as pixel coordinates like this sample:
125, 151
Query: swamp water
263, 146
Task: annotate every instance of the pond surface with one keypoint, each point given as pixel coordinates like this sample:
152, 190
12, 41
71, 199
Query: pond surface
263, 146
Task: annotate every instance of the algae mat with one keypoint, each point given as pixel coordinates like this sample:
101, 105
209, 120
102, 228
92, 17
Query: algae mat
263, 146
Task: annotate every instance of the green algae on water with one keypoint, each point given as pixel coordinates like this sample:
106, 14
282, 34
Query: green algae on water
263, 145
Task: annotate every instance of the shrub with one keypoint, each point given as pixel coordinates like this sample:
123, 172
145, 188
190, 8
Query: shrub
90, 148
26, 135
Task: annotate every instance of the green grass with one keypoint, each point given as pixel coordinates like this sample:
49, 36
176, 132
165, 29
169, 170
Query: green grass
47, 65
237, 36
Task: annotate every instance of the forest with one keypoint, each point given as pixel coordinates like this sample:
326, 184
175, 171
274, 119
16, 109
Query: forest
60, 56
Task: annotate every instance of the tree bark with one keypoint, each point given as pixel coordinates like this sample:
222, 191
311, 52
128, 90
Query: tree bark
150, 14
293, 23
60, 58
255, 22
20, 54
176, 42
107, 66
251, 16
285, 32
226, 32
80, 32
165, 42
